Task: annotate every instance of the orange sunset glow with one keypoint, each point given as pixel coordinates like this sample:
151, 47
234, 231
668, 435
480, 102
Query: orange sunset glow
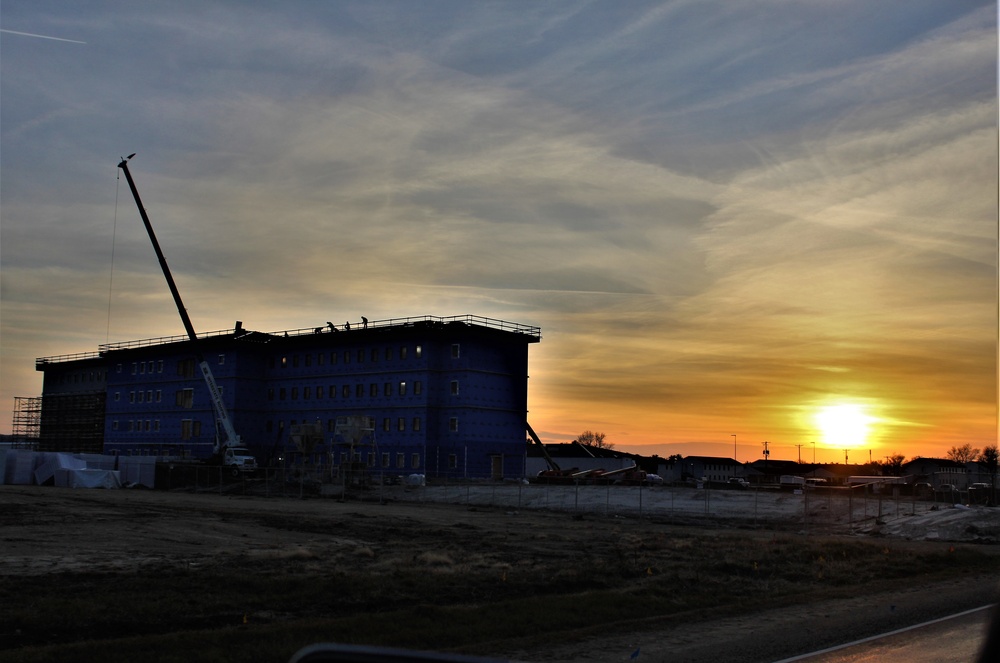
773, 221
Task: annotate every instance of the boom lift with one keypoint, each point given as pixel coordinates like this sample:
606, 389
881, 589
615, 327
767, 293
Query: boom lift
554, 474
227, 449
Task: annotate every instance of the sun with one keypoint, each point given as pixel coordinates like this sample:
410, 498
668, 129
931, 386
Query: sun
846, 425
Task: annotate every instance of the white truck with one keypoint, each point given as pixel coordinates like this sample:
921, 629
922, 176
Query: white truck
238, 460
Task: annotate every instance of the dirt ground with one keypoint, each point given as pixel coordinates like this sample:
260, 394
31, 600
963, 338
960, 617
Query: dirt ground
50, 533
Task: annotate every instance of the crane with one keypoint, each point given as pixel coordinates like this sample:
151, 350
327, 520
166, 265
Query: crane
227, 442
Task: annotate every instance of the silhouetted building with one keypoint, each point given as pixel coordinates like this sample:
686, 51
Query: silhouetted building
444, 397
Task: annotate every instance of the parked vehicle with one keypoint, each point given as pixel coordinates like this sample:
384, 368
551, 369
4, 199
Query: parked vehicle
738, 483
791, 481
980, 493
238, 460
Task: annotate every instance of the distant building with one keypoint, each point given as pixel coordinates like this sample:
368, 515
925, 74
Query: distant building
444, 397
831, 474
937, 472
715, 469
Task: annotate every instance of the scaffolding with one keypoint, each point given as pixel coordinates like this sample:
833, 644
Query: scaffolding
72, 423
27, 422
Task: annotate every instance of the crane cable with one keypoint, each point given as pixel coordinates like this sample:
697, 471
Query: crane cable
111, 278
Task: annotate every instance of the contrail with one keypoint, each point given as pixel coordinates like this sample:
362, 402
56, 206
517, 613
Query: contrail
28, 34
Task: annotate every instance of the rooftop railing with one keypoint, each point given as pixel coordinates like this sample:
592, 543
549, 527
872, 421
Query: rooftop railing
41, 361
159, 340
472, 320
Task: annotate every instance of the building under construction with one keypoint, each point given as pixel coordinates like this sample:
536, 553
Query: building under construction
443, 397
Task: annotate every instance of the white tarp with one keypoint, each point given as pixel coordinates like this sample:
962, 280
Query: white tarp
87, 478
20, 466
98, 461
56, 461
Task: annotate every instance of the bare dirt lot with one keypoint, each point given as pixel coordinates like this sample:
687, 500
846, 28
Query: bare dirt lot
162, 576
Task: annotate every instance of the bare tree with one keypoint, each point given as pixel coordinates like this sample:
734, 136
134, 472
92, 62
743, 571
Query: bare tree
591, 439
892, 465
963, 454
990, 458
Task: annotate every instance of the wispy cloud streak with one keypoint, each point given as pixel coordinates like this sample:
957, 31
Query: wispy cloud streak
29, 34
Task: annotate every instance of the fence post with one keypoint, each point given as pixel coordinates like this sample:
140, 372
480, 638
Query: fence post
805, 509
756, 491
850, 508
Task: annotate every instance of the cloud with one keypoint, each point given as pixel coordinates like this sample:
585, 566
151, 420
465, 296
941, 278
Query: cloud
716, 216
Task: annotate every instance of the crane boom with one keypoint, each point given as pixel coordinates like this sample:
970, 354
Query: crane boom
222, 420
545, 454
185, 318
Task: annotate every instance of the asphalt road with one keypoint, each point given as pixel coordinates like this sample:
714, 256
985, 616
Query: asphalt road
955, 638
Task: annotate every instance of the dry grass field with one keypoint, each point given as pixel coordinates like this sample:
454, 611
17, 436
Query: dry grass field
171, 576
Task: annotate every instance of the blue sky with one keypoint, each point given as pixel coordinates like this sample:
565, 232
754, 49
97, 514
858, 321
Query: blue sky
723, 216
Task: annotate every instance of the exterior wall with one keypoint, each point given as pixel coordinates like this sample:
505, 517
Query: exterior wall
73, 396
147, 410
447, 399
937, 472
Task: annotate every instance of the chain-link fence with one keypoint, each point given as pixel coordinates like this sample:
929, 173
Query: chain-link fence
826, 509
829, 509
291, 481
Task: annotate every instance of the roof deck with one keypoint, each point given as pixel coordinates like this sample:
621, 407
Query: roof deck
533, 333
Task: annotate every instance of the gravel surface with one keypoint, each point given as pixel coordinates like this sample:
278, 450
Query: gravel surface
48, 532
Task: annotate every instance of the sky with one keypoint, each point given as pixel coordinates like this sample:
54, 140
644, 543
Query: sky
735, 223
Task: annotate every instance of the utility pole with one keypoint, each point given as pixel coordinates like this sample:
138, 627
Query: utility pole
734, 455
800, 453
766, 454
